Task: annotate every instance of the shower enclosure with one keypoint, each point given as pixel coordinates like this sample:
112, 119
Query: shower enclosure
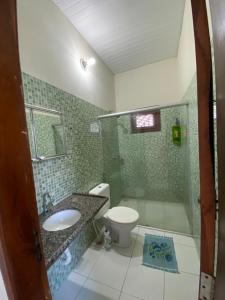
147, 171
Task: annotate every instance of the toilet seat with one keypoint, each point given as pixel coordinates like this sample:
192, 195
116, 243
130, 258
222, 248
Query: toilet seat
123, 215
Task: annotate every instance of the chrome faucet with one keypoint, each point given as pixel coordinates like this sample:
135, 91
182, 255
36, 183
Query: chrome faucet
47, 202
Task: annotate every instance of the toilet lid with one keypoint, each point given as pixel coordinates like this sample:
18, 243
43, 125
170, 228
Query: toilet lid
124, 215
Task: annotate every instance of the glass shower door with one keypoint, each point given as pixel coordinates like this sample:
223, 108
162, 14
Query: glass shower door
150, 173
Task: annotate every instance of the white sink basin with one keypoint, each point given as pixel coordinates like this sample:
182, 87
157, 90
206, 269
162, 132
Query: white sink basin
62, 220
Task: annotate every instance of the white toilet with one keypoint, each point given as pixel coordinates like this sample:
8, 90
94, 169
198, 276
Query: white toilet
120, 220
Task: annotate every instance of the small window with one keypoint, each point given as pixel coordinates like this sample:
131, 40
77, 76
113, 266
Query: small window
146, 121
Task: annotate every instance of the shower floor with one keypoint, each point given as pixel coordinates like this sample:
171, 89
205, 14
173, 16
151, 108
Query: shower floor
170, 216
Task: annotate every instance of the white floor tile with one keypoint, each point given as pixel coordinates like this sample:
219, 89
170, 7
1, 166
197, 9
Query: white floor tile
181, 239
105, 274
70, 288
111, 269
124, 296
88, 261
76, 278
93, 290
143, 282
187, 259
181, 286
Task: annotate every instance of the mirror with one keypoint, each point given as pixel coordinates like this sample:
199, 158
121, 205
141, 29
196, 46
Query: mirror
30, 134
46, 132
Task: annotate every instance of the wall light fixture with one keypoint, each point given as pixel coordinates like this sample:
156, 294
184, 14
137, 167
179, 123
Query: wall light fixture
87, 62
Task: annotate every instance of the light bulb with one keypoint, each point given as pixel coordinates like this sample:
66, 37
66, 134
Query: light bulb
91, 61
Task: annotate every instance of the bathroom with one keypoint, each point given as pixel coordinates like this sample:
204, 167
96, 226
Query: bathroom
111, 107
98, 150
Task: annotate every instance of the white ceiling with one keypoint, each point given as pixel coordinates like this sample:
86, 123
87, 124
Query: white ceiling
128, 34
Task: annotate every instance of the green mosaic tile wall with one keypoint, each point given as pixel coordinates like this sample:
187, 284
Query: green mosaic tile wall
80, 170
82, 167
58, 272
153, 167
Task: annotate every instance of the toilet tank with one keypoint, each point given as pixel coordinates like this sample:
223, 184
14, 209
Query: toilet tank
102, 189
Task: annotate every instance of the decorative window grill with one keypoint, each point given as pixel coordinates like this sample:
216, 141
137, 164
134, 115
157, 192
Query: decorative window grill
146, 121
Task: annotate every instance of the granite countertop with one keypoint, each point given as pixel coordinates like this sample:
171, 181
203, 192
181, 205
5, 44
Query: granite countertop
56, 242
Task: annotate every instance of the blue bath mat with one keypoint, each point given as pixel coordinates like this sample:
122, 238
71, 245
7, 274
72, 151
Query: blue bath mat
159, 253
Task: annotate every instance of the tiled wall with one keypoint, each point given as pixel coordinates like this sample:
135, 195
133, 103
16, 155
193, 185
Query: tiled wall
153, 167
80, 170
82, 167
58, 272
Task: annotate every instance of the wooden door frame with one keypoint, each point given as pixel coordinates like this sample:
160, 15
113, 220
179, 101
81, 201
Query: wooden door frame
218, 15
17, 184
206, 144
24, 272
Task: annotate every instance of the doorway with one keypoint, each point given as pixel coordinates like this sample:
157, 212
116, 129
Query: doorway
20, 289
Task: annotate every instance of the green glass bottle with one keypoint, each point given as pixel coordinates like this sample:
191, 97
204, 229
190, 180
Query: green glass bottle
176, 133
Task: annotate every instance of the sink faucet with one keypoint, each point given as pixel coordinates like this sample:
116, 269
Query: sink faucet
47, 202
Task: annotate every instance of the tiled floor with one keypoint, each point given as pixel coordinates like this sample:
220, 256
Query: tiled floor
160, 214
119, 274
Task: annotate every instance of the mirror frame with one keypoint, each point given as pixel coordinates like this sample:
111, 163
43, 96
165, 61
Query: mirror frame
32, 108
